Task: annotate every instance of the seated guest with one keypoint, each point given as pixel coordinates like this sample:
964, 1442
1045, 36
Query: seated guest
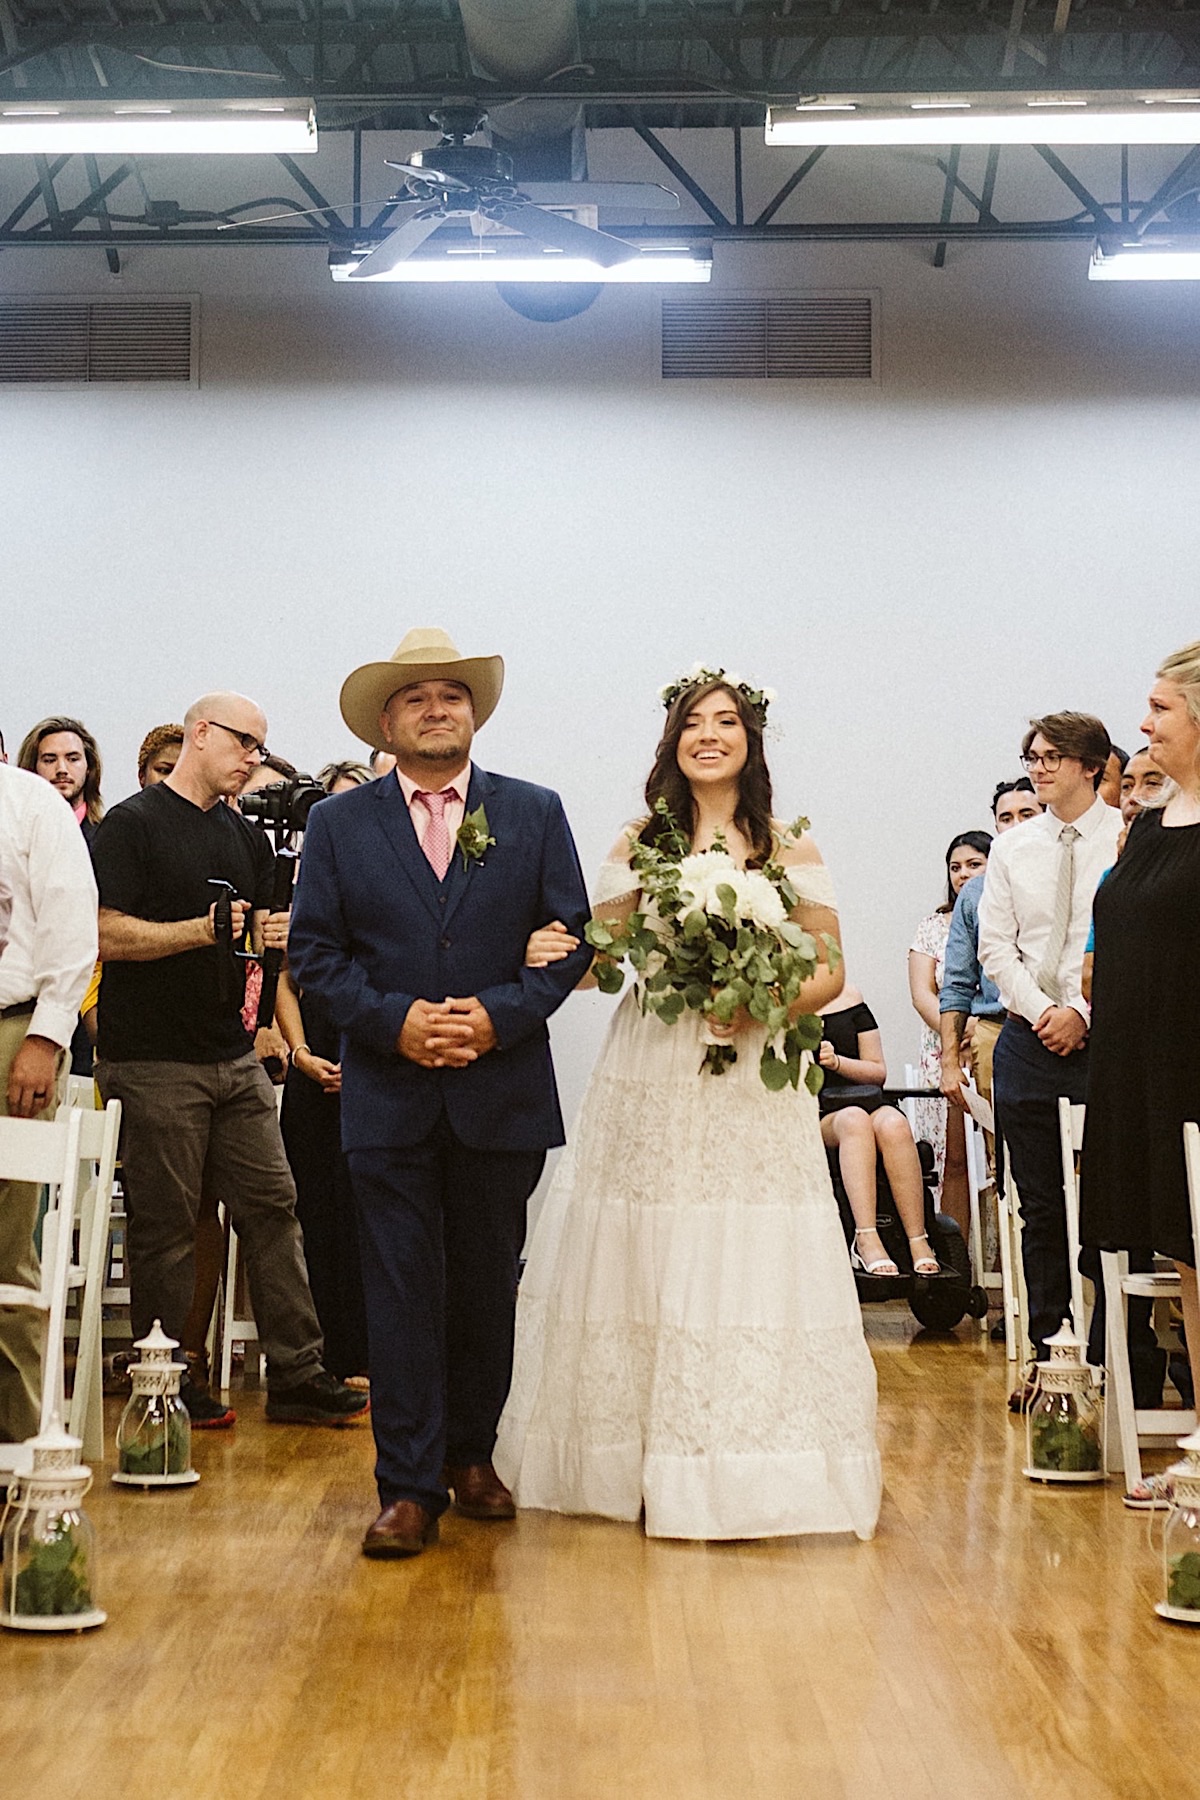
1114, 771
851, 1055
966, 857
381, 762
64, 753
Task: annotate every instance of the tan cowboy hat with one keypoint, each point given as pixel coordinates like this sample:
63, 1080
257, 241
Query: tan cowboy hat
422, 655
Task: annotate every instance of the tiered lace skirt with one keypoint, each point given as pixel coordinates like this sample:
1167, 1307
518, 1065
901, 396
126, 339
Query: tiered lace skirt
688, 1334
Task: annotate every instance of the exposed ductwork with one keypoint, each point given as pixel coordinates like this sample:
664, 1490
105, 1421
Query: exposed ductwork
518, 43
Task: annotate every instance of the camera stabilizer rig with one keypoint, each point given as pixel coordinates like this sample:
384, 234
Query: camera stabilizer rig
280, 810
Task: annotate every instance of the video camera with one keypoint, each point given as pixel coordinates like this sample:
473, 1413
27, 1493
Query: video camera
282, 811
284, 806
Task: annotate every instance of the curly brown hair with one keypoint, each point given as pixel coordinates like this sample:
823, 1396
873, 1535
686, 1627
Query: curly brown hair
667, 781
156, 740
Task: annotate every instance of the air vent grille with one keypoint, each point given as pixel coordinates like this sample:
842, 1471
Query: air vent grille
78, 341
785, 337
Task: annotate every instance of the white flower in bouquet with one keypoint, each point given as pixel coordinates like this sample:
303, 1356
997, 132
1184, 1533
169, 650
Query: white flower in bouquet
758, 901
701, 874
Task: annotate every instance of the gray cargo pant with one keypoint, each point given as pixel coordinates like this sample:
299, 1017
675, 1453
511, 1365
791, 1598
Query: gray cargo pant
192, 1128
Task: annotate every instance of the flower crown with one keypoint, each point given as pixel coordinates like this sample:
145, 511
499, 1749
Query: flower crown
699, 675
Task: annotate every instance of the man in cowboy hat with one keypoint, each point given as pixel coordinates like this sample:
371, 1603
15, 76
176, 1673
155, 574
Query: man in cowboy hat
417, 895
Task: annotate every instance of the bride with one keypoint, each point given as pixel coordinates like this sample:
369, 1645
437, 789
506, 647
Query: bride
688, 1334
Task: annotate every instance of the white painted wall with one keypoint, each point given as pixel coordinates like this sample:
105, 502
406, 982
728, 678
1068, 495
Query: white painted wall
1005, 524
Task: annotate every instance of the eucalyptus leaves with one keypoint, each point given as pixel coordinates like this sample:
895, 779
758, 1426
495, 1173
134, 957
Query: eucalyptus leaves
473, 836
713, 939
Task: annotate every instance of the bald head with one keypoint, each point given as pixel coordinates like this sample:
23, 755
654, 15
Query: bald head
224, 740
227, 705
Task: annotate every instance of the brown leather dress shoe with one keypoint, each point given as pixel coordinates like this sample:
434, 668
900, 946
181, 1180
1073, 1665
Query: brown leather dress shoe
479, 1492
402, 1529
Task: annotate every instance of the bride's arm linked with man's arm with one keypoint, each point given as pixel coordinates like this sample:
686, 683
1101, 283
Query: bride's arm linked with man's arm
614, 902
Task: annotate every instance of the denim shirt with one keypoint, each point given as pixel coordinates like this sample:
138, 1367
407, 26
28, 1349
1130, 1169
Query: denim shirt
965, 987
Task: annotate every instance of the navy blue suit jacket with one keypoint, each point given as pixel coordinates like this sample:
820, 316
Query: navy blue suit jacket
373, 930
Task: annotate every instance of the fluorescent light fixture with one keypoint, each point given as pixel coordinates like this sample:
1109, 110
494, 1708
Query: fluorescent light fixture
481, 262
158, 128
1142, 116
1164, 261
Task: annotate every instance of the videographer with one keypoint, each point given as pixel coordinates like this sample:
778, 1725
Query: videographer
197, 1108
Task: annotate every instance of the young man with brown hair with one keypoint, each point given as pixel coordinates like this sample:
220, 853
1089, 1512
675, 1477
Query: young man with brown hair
1034, 918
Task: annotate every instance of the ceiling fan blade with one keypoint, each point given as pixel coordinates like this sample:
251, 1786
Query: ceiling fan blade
427, 177
636, 196
399, 244
564, 234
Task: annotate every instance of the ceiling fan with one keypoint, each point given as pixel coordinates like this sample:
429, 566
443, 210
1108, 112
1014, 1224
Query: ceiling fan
457, 180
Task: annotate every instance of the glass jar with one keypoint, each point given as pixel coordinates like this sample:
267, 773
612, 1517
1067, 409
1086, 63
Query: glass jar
1064, 1422
154, 1438
49, 1574
1181, 1540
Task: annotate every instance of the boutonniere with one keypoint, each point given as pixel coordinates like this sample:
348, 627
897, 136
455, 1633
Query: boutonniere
472, 837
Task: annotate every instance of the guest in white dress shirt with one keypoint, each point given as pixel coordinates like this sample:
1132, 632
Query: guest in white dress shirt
48, 957
1034, 918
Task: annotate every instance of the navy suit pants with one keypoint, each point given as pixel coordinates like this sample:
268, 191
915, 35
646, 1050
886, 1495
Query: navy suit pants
1027, 1082
441, 1226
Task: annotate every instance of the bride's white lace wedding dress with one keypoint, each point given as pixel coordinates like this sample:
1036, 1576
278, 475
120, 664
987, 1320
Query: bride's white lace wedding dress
688, 1334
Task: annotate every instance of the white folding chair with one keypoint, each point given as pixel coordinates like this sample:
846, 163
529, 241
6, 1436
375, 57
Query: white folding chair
978, 1185
1138, 1428
98, 1138
1071, 1120
47, 1152
1012, 1267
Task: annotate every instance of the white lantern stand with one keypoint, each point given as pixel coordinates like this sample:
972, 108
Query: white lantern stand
48, 1581
154, 1438
1064, 1424
1181, 1540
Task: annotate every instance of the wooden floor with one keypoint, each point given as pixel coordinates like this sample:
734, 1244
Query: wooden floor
995, 1640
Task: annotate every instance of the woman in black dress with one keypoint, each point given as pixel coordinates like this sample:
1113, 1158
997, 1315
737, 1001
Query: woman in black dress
859, 1125
1144, 1066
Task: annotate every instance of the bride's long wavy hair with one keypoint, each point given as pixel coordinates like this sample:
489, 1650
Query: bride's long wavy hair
667, 781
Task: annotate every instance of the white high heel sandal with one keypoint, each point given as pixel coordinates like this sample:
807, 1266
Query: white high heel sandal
882, 1265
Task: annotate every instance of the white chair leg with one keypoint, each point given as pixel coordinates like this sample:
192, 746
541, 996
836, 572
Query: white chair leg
86, 1415
1008, 1285
229, 1308
1115, 1264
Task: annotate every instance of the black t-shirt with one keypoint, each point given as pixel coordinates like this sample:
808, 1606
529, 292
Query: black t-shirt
842, 1029
154, 857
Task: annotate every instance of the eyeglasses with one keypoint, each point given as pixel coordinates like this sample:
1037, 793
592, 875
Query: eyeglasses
1049, 759
246, 739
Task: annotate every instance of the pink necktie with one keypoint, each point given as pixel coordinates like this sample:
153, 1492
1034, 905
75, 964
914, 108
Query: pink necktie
436, 843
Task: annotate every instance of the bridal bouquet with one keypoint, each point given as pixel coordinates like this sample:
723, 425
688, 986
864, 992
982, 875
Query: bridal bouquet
713, 938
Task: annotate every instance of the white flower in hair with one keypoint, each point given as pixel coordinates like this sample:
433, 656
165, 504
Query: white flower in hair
734, 681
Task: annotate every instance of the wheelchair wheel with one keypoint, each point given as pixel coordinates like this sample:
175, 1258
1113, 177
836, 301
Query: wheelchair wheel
940, 1302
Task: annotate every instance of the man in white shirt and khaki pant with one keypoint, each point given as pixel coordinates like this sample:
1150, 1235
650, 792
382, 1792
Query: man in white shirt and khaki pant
44, 969
1034, 918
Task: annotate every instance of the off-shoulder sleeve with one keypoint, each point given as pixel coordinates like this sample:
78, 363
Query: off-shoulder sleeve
616, 881
813, 884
